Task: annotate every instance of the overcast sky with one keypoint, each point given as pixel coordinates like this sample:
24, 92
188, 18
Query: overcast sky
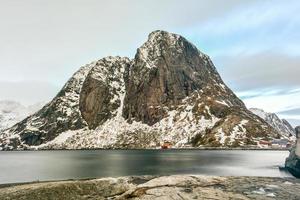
254, 44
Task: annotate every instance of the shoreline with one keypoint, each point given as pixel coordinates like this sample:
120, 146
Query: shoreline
7, 185
158, 187
151, 149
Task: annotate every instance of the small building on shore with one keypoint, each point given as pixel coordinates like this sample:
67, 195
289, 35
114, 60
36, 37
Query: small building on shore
166, 145
264, 144
281, 143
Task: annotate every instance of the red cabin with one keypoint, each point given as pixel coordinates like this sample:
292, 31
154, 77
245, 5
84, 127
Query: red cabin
166, 145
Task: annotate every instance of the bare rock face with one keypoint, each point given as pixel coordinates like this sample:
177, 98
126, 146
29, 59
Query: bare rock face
167, 69
297, 130
292, 163
170, 92
103, 90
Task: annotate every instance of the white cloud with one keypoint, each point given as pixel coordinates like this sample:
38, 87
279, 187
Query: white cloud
274, 103
27, 92
49, 40
281, 104
266, 70
261, 26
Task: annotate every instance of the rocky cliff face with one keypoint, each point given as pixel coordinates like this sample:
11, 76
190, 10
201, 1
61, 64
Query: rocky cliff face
292, 163
167, 69
297, 152
281, 125
169, 92
103, 90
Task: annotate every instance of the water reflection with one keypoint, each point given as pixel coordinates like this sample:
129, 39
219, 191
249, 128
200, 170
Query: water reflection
57, 165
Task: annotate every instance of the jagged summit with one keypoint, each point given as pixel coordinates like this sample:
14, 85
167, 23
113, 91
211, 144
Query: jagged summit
161, 43
167, 69
170, 92
281, 125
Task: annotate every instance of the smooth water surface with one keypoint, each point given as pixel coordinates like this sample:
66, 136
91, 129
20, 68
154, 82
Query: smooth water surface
25, 166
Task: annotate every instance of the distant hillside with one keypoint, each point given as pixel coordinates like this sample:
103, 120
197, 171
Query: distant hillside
12, 112
281, 125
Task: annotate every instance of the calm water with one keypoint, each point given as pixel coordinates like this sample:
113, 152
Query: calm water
57, 165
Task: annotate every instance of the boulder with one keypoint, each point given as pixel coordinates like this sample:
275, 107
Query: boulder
292, 163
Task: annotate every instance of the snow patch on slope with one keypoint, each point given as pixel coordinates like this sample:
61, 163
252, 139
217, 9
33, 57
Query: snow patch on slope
238, 132
178, 127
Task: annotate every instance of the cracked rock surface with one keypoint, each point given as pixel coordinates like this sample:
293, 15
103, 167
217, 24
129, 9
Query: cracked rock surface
162, 187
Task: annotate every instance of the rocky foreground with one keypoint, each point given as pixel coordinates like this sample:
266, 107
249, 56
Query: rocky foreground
164, 187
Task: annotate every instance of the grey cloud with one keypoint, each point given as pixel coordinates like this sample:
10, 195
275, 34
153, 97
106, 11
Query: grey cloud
261, 71
49, 40
294, 122
27, 92
295, 111
292, 115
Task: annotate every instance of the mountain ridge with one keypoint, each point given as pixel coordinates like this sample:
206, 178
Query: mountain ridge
281, 125
12, 112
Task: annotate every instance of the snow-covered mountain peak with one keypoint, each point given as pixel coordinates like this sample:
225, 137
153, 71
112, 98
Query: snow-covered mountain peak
7, 106
281, 125
12, 112
169, 92
162, 44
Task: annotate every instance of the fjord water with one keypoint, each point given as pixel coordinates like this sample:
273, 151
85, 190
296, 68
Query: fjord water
25, 166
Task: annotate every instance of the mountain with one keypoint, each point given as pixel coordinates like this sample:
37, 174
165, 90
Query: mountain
12, 112
281, 125
169, 92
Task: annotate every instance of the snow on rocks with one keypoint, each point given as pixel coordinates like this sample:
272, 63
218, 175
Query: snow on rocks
62, 114
281, 125
169, 93
13, 112
238, 132
178, 127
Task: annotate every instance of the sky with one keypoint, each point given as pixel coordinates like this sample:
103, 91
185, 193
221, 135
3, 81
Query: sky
254, 44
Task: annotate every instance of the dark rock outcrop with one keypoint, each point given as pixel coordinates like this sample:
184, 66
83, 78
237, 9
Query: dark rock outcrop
166, 69
292, 163
102, 89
